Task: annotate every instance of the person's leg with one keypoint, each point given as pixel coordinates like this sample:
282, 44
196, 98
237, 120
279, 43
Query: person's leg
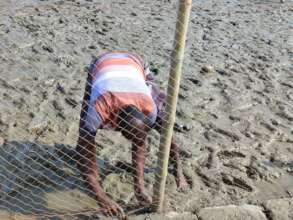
176, 162
134, 129
174, 158
138, 161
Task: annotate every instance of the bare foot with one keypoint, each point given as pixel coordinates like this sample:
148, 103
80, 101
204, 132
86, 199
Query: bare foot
182, 183
143, 198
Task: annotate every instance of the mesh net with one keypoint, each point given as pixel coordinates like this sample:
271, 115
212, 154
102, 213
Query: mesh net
238, 150
40, 174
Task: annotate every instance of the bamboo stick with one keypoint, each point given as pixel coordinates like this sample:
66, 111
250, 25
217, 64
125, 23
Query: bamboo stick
172, 97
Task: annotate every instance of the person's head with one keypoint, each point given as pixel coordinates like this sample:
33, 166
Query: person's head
132, 122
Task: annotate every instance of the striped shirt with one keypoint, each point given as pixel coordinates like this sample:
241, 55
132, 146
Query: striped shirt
118, 80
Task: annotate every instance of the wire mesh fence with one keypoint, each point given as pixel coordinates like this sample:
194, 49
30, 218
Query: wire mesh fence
92, 177
43, 48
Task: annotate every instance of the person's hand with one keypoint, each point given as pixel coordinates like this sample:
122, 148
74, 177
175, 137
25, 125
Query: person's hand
110, 208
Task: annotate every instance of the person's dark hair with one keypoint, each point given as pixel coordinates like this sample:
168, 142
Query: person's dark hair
128, 113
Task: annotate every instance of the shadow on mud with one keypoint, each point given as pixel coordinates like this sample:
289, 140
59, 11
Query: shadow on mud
37, 179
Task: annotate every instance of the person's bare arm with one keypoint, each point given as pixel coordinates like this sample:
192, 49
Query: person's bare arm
86, 163
86, 159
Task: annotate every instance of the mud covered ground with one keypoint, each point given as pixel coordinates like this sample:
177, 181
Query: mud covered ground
239, 148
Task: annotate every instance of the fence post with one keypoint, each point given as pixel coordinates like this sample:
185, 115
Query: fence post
172, 96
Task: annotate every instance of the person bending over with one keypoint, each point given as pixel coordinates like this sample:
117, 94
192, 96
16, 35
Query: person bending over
120, 94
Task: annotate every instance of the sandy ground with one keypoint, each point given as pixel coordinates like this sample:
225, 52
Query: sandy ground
239, 148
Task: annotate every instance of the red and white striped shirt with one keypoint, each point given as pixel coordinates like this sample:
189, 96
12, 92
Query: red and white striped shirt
119, 80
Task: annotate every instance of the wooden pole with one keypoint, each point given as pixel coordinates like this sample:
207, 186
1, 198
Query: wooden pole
172, 97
